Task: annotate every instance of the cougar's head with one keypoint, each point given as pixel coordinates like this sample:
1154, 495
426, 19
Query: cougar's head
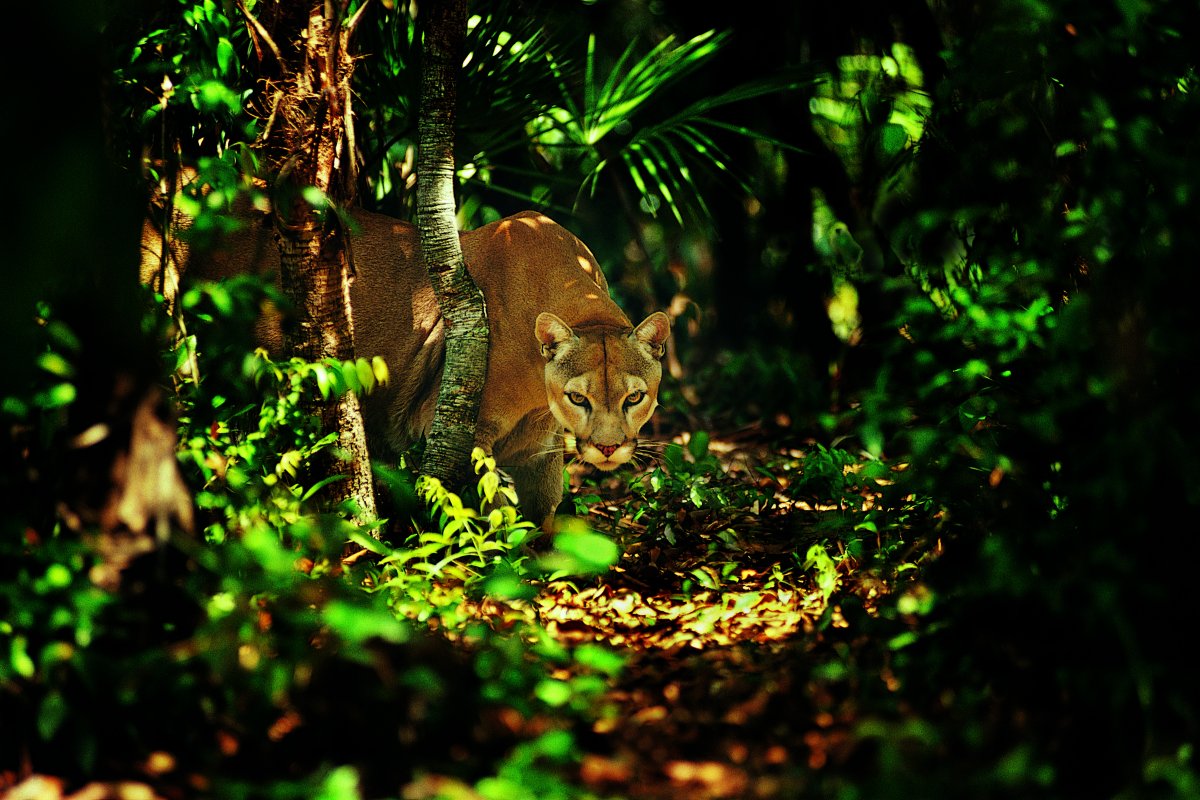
602, 382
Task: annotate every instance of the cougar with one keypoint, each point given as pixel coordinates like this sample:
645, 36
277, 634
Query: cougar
567, 371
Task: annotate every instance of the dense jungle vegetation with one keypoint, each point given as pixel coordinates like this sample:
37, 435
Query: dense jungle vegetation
926, 446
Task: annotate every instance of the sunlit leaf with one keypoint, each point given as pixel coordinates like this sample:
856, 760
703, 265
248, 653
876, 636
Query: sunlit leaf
366, 375
489, 483
323, 382
342, 783
553, 693
380, 369
599, 658
226, 58
22, 664
319, 485
579, 551
55, 364
508, 585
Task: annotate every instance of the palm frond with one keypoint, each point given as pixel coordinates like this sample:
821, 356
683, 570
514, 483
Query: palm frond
627, 91
503, 77
662, 159
585, 117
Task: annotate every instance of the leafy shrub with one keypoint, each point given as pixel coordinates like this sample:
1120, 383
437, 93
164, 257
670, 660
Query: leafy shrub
246, 430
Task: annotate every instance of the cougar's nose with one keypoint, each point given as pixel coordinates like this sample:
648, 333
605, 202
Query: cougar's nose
607, 449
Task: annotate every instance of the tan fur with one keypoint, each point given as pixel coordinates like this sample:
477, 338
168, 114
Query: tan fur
554, 334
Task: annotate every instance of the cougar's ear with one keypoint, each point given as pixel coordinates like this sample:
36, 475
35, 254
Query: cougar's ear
551, 332
653, 333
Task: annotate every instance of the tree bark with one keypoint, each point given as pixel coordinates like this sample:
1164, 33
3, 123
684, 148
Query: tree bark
312, 143
452, 435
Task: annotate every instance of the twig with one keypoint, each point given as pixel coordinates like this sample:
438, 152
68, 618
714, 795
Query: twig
262, 32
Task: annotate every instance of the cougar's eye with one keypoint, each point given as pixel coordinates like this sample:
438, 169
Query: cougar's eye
578, 399
634, 398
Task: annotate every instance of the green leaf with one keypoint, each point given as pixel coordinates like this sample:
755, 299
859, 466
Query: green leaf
705, 579
51, 713
672, 458
226, 58
264, 544
341, 783
14, 406
57, 396
489, 483
22, 664
892, 140
553, 693
315, 197
600, 658
214, 96
366, 375
289, 462
323, 382
380, 368
357, 622
57, 577
500, 789
558, 745
55, 365
580, 551
507, 585
61, 334
321, 484
698, 445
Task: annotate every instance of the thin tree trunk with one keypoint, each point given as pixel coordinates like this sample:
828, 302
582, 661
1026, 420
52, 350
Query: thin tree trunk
314, 141
452, 436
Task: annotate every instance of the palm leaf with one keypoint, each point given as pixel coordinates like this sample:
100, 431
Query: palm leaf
680, 163
503, 77
662, 159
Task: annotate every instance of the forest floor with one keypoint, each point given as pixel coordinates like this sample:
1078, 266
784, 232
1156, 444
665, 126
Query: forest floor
736, 650
738, 620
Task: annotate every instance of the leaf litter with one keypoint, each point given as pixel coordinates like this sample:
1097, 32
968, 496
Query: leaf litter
732, 684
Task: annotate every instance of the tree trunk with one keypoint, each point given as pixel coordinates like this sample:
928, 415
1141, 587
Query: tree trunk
312, 145
452, 436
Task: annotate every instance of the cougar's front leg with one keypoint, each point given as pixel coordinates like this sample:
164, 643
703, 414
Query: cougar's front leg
539, 485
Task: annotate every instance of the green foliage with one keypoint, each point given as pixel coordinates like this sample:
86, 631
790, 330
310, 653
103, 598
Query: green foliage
539, 766
538, 123
1007, 223
243, 639
1028, 247
533, 770
142, 657
501, 87
871, 109
817, 559
662, 157
829, 474
579, 551
690, 478
53, 390
187, 77
466, 552
246, 429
